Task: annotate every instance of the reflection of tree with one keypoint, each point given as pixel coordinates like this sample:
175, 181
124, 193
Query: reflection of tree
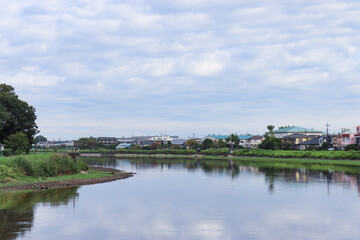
100, 161
288, 172
17, 208
15, 223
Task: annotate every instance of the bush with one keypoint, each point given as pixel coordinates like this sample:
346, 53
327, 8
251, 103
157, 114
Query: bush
215, 151
7, 152
57, 164
6, 172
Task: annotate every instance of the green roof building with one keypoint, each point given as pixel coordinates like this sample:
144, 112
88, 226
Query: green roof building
280, 133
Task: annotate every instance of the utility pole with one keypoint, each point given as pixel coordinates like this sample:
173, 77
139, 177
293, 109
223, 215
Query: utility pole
342, 132
329, 140
327, 129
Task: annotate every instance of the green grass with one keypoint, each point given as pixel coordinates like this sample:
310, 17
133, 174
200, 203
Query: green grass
23, 180
39, 165
298, 154
37, 168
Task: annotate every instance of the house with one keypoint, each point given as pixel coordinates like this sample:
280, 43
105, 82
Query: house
347, 138
314, 142
254, 141
245, 141
357, 136
295, 139
336, 141
280, 133
106, 140
178, 142
216, 137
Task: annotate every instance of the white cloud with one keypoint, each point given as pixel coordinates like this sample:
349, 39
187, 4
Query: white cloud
182, 54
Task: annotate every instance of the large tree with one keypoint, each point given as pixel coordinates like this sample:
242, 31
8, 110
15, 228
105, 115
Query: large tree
15, 115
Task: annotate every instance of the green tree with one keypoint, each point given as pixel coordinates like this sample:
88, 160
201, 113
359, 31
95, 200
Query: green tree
18, 143
15, 115
271, 142
219, 144
40, 138
191, 143
207, 143
86, 143
234, 138
271, 129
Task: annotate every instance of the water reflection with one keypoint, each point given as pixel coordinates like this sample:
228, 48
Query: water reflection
17, 208
189, 199
347, 176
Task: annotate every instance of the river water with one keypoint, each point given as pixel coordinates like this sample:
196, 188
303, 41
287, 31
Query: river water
185, 199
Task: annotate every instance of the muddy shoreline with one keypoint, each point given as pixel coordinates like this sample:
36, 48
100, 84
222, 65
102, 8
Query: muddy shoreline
114, 175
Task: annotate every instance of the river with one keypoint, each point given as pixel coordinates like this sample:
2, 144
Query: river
185, 199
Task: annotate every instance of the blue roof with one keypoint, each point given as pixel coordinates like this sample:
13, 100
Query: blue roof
296, 129
223, 137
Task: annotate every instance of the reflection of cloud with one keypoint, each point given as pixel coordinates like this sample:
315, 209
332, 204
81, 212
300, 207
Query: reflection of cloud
209, 229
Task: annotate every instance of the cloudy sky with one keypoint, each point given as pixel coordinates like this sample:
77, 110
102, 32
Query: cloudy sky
122, 68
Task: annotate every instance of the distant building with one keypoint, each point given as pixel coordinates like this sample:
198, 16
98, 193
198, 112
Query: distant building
357, 136
216, 137
314, 142
107, 140
49, 144
246, 141
160, 138
178, 142
254, 141
347, 138
137, 140
295, 139
280, 133
336, 141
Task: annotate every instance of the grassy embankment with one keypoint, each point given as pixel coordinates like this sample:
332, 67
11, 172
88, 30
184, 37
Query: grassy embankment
258, 155
354, 155
41, 168
255, 155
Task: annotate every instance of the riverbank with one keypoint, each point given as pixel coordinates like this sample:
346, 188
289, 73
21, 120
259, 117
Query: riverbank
43, 171
94, 175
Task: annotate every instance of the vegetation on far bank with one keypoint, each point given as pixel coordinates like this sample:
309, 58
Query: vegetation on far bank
353, 155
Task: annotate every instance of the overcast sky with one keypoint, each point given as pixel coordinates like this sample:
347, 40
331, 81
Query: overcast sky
122, 68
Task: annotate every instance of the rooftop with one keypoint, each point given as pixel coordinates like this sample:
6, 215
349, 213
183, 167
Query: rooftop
223, 137
296, 129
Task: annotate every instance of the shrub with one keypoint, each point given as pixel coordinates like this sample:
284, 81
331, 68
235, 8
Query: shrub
7, 152
49, 166
215, 151
6, 171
